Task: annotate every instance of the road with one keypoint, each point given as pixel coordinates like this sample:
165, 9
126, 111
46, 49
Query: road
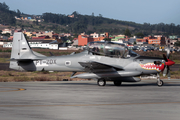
84, 100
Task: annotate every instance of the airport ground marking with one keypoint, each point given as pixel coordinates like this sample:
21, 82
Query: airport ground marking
13, 89
79, 105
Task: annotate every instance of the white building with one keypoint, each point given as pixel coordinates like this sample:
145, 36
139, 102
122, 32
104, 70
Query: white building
40, 45
7, 44
6, 31
53, 46
95, 35
33, 45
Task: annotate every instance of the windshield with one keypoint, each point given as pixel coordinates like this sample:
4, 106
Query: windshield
108, 49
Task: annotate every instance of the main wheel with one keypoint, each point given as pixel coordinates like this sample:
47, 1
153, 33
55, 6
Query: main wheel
101, 82
160, 83
117, 83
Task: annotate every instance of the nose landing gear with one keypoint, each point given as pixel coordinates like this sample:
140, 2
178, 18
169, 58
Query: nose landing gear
159, 81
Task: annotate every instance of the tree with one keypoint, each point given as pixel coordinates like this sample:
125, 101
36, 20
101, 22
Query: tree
141, 35
127, 32
37, 22
100, 15
85, 23
25, 35
177, 43
6, 34
4, 6
18, 13
107, 39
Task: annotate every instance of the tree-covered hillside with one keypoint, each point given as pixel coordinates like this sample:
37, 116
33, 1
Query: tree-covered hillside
89, 23
6, 16
78, 23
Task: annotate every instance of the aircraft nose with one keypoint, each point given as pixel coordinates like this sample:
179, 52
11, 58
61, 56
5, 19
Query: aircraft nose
170, 62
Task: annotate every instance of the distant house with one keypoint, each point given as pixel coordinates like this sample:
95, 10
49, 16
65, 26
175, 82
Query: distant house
7, 31
173, 37
50, 34
156, 40
34, 44
141, 41
153, 40
75, 43
53, 46
29, 34
132, 40
7, 45
2, 38
84, 39
95, 35
10, 38
71, 16
39, 38
116, 38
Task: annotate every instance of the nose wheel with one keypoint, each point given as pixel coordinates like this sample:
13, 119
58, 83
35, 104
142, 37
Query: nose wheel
160, 83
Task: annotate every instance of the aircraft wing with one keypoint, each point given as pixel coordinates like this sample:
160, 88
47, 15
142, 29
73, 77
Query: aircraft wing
93, 66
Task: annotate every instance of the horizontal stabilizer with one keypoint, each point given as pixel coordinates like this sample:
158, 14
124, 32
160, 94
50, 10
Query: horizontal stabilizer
19, 60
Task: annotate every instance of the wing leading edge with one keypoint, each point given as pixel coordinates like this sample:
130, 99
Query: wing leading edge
93, 66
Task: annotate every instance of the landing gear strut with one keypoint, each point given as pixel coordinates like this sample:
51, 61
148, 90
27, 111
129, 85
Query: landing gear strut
159, 81
101, 82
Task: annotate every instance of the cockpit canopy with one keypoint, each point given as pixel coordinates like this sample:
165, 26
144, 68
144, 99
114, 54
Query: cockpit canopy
109, 49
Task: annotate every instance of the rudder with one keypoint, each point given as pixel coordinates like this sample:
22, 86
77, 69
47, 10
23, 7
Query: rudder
21, 48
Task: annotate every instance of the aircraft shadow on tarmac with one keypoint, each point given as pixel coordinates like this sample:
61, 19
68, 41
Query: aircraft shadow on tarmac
149, 84
71, 84
123, 85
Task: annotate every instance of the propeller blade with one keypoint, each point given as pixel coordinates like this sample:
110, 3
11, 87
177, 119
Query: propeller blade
168, 51
165, 71
167, 63
168, 72
165, 58
169, 75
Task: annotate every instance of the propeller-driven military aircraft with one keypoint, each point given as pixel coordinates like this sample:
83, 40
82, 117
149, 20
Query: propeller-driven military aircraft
103, 61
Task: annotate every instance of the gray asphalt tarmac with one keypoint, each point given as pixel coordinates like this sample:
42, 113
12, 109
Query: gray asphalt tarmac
84, 100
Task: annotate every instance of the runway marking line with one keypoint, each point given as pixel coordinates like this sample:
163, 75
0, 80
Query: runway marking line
78, 105
13, 89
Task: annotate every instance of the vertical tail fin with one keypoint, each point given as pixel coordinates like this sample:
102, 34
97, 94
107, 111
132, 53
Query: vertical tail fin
22, 56
21, 48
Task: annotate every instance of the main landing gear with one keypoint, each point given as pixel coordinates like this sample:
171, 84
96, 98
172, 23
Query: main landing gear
159, 81
102, 82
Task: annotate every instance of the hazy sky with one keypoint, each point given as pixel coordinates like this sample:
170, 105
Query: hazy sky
139, 11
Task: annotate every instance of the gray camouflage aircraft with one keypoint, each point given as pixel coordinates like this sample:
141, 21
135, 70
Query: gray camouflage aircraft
103, 61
